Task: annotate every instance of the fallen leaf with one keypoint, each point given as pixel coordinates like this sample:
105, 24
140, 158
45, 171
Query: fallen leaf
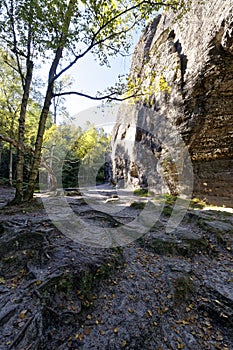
23, 314
123, 344
149, 313
87, 331
2, 280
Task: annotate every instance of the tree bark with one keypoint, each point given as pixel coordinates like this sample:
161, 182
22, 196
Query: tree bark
10, 165
38, 146
20, 150
52, 178
47, 102
1, 148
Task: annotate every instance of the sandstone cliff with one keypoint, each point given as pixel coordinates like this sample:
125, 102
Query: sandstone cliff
184, 67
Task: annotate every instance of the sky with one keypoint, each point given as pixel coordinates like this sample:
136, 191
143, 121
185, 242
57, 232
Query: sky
89, 77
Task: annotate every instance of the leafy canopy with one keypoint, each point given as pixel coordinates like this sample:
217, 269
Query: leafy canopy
102, 27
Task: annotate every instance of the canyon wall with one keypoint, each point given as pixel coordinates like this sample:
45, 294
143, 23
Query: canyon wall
183, 67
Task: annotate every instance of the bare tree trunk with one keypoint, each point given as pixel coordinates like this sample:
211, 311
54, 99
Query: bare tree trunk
50, 182
20, 150
1, 148
10, 165
52, 177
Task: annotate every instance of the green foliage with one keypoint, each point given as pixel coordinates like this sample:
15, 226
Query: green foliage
92, 144
141, 192
56, 34
138, 205
163, 85
144, 88
10, 102
197, 203
73, 146
170, 199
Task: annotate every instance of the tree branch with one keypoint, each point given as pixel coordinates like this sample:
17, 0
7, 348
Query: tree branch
97, 98
9, 139
15, 50
95, 43
15, 143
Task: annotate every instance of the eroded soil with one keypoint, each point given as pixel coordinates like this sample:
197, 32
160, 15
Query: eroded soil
161, 291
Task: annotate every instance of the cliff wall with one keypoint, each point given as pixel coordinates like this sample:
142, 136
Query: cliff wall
184, 69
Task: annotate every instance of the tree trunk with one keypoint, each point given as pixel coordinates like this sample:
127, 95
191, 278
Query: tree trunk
47, 102
51, 176
20, 150
10, 165
50, 180
38, 146
1, 148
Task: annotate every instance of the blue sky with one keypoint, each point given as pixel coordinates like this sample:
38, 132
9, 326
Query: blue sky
89, 77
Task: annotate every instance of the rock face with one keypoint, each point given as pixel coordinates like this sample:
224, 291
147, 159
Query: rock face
184, 68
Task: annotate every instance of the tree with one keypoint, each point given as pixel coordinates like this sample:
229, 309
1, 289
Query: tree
10, 102
73, 146
60, 33
9, 105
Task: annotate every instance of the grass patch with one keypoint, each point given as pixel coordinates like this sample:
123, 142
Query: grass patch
138, 205
141, 192
197, 203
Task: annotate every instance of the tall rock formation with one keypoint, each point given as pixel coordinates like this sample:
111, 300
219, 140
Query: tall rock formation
184, 68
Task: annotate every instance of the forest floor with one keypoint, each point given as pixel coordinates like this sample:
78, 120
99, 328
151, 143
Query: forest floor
158, 291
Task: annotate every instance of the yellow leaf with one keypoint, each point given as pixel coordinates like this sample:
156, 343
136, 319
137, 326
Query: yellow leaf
115, 330
23, 314
185, 322
131, 310
149, 313
81, 336
123, 343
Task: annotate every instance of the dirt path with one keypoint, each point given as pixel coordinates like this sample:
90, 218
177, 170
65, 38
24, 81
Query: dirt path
162, 291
